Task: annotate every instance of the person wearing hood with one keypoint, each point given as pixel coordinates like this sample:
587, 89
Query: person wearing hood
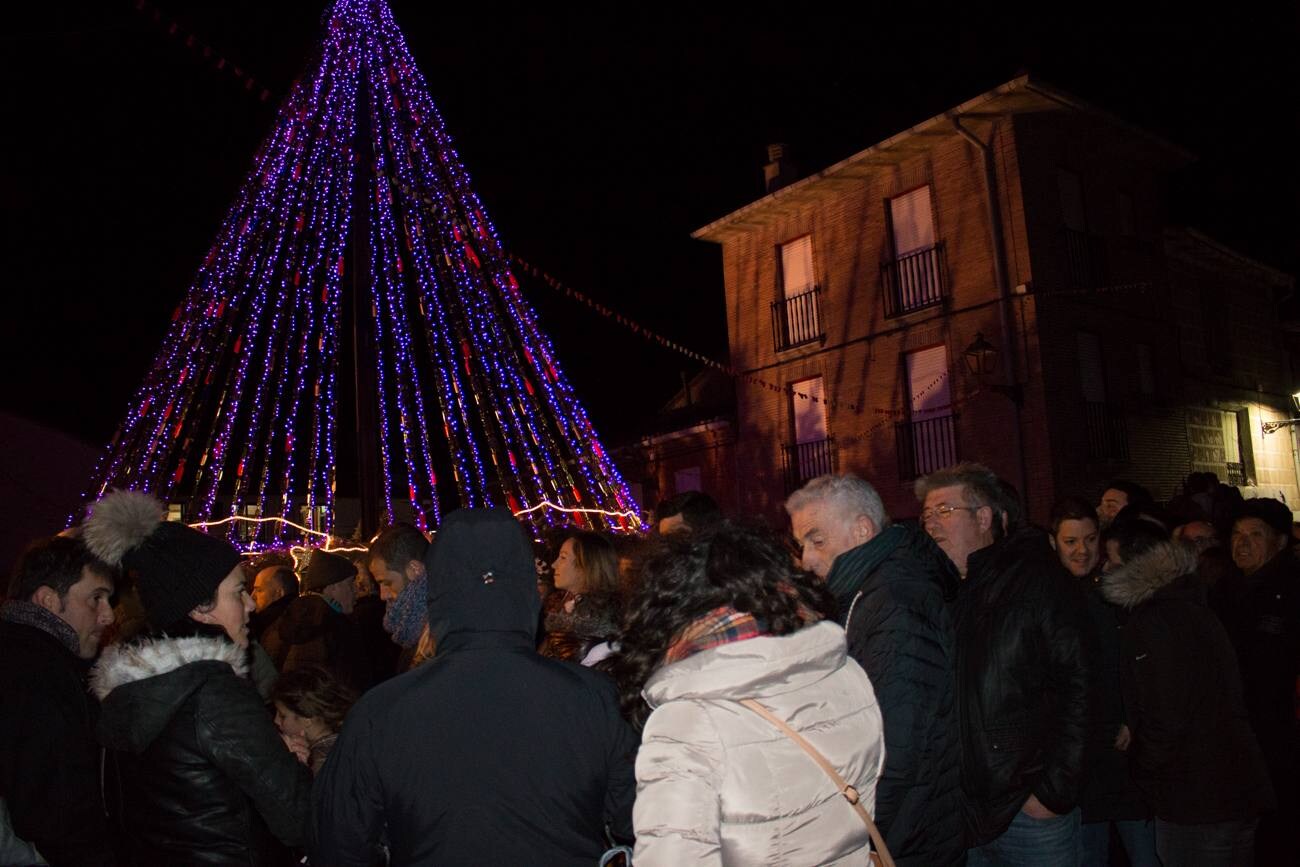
201, 775
50, 628
893, 585
1193, 752
488, 753
316, 628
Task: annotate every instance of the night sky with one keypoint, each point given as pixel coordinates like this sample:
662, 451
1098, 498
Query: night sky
598, 141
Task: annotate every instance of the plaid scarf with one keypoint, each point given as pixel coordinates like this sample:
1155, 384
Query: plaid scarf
722, 625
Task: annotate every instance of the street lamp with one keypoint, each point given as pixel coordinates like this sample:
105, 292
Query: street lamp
981, 359
1269, 427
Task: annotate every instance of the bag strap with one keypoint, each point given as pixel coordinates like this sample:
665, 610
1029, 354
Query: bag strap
849, 793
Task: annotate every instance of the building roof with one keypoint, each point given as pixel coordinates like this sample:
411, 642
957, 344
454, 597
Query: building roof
1022, 95
1189, 245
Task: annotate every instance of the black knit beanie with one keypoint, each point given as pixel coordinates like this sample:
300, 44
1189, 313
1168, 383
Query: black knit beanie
177, 568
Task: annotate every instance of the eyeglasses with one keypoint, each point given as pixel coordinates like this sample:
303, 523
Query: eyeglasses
942, 512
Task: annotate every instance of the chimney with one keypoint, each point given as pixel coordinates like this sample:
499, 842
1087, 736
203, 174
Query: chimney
779, 171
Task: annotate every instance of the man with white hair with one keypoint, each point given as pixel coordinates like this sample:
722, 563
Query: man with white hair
892, 584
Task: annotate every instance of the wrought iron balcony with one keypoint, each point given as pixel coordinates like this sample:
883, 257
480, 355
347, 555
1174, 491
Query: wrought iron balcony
1236, 474
797, 320
914, 281
1085, 261
925, 445
1107, 433
803, 462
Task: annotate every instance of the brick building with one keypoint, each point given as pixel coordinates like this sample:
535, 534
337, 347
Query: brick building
996, 283
691, 447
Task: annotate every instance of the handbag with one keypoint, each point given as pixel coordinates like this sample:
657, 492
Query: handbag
881, 854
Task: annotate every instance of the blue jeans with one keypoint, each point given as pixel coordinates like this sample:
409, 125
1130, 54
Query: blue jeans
1137, 835
1032, 843
1221, 844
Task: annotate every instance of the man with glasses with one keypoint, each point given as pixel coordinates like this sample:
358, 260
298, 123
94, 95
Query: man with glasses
1022, 649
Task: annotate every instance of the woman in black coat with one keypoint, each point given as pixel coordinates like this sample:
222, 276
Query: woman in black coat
1193, 751
202, 776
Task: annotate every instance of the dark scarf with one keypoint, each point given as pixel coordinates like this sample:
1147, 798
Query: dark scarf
33, 615
851, 568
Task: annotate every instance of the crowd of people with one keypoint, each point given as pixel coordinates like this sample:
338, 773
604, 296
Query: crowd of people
964, 688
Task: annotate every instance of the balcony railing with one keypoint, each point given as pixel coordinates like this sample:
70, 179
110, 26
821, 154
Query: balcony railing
806, 461
1107, 434
1085, 261
1236, 474
797, 320
914, 281
925, 445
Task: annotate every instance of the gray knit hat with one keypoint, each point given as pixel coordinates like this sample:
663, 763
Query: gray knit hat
324, 569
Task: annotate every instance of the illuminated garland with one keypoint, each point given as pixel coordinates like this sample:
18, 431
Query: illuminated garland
334, 544
240, 409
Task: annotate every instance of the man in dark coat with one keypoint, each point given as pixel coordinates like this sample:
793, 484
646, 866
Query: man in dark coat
1261, 609
49, 760
892, 584
488, 753
1193, 751
317, 629
1109, 798
274, 589
1023, 682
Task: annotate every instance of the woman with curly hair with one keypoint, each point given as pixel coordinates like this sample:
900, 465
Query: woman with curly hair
310, 704
584, 611
723, 617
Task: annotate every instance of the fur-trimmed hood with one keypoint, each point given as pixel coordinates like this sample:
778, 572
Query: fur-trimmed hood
1149, 572
123, 664
143, 685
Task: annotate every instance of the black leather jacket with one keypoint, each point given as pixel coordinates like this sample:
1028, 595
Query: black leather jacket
202, 775
1023, 650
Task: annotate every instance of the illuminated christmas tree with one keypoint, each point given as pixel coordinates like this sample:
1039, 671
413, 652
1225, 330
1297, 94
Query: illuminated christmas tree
357, 248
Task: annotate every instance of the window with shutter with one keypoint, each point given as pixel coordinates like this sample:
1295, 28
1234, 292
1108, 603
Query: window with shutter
912, 222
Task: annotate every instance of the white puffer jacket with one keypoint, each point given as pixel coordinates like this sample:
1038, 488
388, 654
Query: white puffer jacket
718, 784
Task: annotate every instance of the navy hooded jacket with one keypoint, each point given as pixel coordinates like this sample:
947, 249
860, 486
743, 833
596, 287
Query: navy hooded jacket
488, 753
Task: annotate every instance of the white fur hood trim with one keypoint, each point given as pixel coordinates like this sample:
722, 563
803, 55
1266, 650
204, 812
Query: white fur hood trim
126, 663
1141, 577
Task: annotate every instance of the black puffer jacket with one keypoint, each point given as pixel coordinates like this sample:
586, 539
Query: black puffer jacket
49, 759
489, 753
900, 631
1023, 650
1193, 750
203, 776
